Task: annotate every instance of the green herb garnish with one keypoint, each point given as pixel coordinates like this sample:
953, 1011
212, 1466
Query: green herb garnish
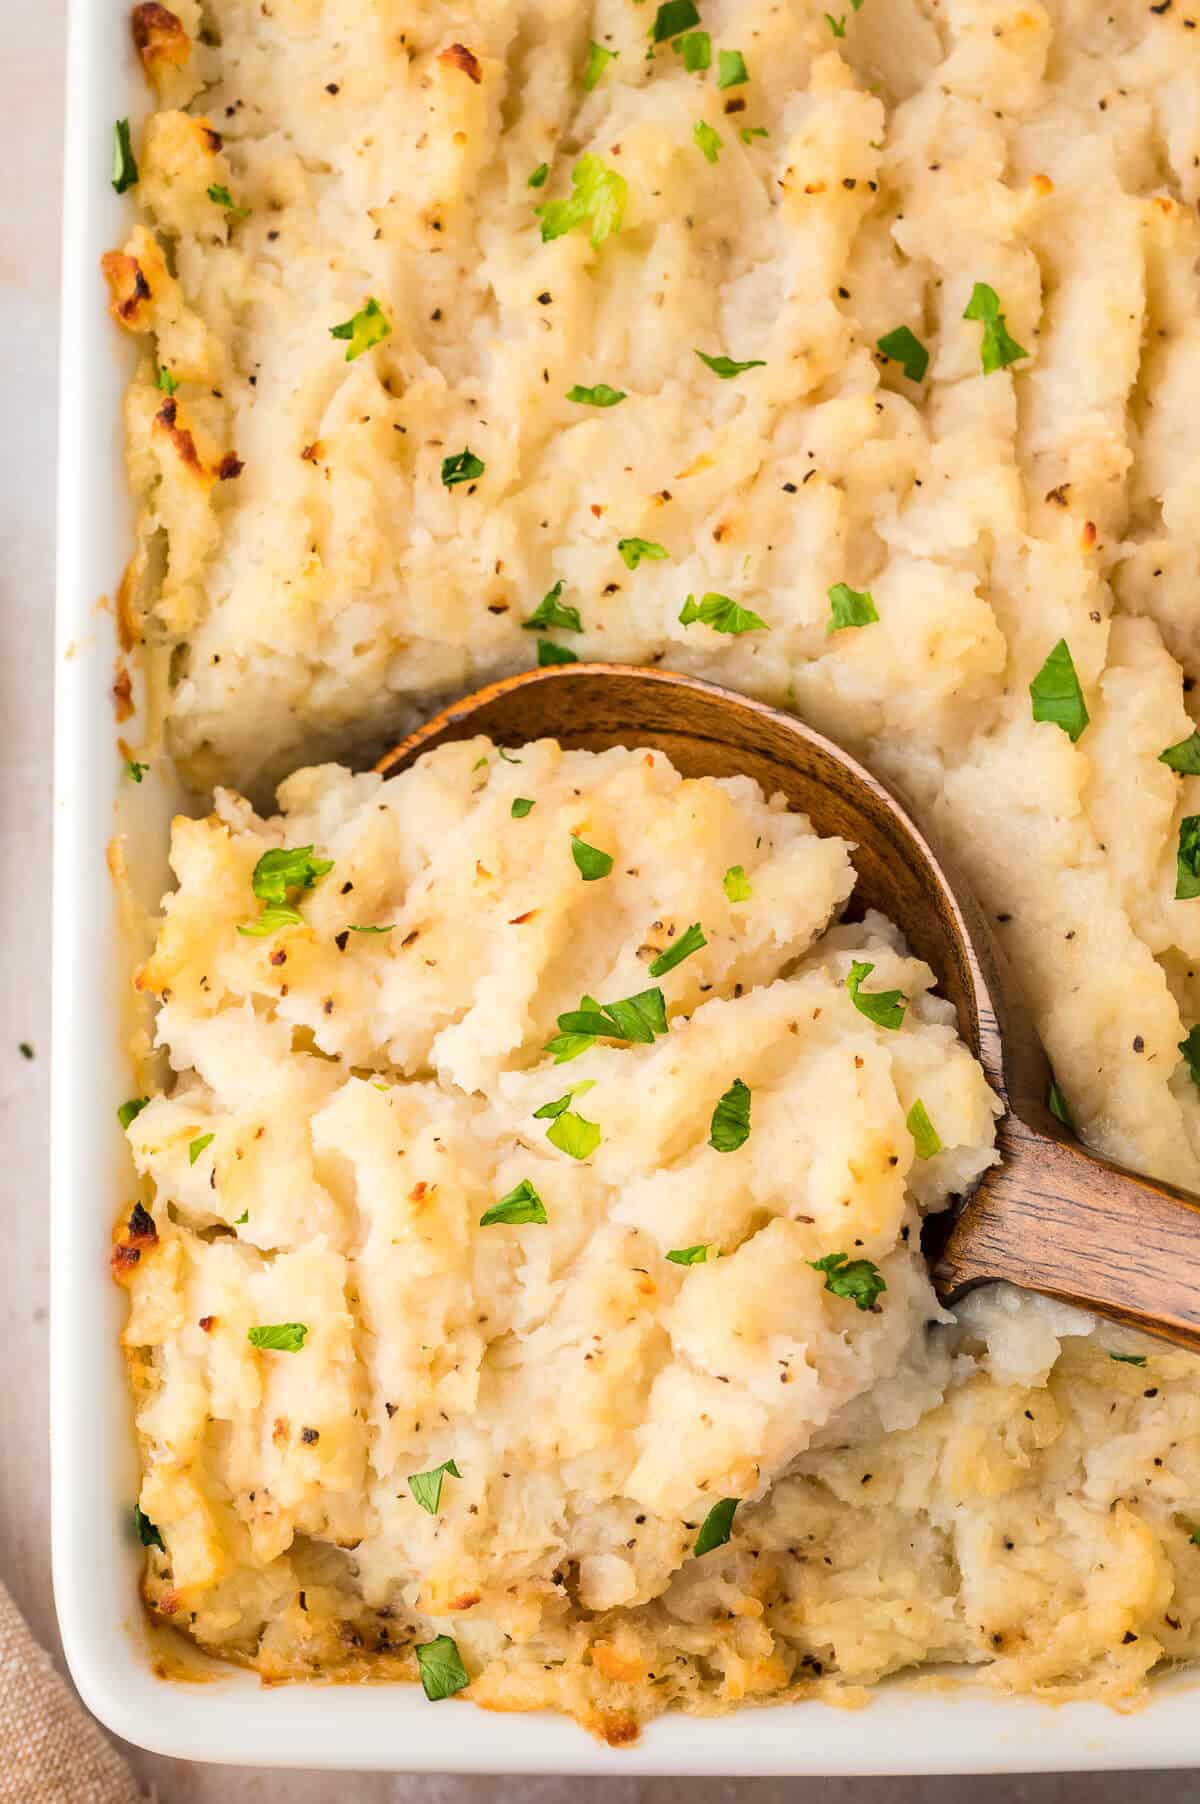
707, 140
369, 326
549, 653
598, 60
906, 349
684, 946
731, 69
538, 178
221, 197
1184, 757
730, 1127
124, 163
722, 614
884, 1007
1056, 694
165, 381
636, 1018
736, 884
278, 1337
697, 1255
425, 1488
725, 367
464, 466
1190, 1048
671, 18
634, 550
1129, 1359
717, 1526
925, 1135
135, 771
849, 607
597, 197
1187, 859
599, 396
836, 26
1056, 1102
696, 51
748, 133
197, 1146
440, 1665
997, 349
591, 863
129, 1111
284, 868
271, 920
522, 805
520, 1206
148, 1532
574, 1135
858, 1279
353, 927
550, 613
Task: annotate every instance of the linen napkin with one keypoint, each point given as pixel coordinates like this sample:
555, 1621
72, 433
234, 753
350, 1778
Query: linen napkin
51, 1751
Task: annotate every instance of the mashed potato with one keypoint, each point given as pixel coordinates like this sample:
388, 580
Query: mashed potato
588, 1284
319, 557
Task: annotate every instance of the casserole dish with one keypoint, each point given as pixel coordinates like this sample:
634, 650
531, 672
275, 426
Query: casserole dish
136, 1682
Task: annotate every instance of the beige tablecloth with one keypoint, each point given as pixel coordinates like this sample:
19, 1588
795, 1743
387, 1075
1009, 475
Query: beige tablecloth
51, 1752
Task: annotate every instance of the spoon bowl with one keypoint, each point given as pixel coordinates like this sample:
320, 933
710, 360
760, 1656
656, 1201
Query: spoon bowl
1050, 1216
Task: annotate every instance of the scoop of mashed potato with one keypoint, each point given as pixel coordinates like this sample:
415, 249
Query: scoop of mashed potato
541, 1169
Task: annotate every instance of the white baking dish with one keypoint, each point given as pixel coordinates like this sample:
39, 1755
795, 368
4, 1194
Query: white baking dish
912, 1727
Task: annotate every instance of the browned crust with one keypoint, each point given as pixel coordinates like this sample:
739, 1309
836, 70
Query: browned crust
122, 691
457, 56
129, 291
158, 36
134, 1237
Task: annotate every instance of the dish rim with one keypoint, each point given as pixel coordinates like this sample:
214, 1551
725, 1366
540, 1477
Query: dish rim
909, 1726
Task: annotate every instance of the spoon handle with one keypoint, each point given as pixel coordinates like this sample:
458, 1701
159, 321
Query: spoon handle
1054, 1218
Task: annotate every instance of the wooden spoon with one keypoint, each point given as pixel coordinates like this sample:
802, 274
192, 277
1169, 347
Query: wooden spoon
1050, 1216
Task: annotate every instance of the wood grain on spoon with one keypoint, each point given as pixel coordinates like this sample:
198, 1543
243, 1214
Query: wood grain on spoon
1051, 1216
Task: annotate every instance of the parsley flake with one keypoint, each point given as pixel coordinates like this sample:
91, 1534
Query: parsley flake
549, 653
221, 197
671, 18
730, 1127
1187, 859
135, 771
684, 946
634, 550
731, 69
1184, 757
748, 133
572, 1134
1056, 694
906, 349
550, 1111
129, 1111
551, 613
165, 381
1128, 1359
520, 1206
697, 1255
284, 868
722, 614
849, 607
369, 326
464, 466
599, 396
717, 1526
925, 1135
707, 140
636, 1018
736, 884
425, 1488
725, 367
858, 1279
124, 163
25, 1049
598, 196
522, 805
836, 26
198, 1145
884, 1007
148, 1532
353, 927
271, 920
1190, 1048
278, 1337
538, 178
997, 349
1056, 1102
598, 60
696, 51
440, 1665
591, 863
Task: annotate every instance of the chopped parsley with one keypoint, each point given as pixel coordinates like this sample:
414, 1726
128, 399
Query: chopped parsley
717, 1526
906, 349
635, 1018
849, 607
242, 1219
148, 1532
722, 614
925, 1135
520, 1206
464, 466
25, 1049
684, 946
858, 1279
634, 550
1056, 1102
1056, 695
549, 653
1184, 757
736, 884
730, 1127
284, 868
574, 1135
748, 133
550, 1111
590, 861
697, 1255
550, 612
1128, 1359
135, 771
271, 920
129, 1111
221, 197
599, 396
538, 178
598, 60
725, 367
522, 805
731, 69
369, 326
1190, 1048
440, 1665
165, 381
278, 1337
707, 140
597, 198
197, 1146
425, 1488
696, 51
353, 927
1187, 859
124, 163
836, 26
671, 18
997, 349
884, 1007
